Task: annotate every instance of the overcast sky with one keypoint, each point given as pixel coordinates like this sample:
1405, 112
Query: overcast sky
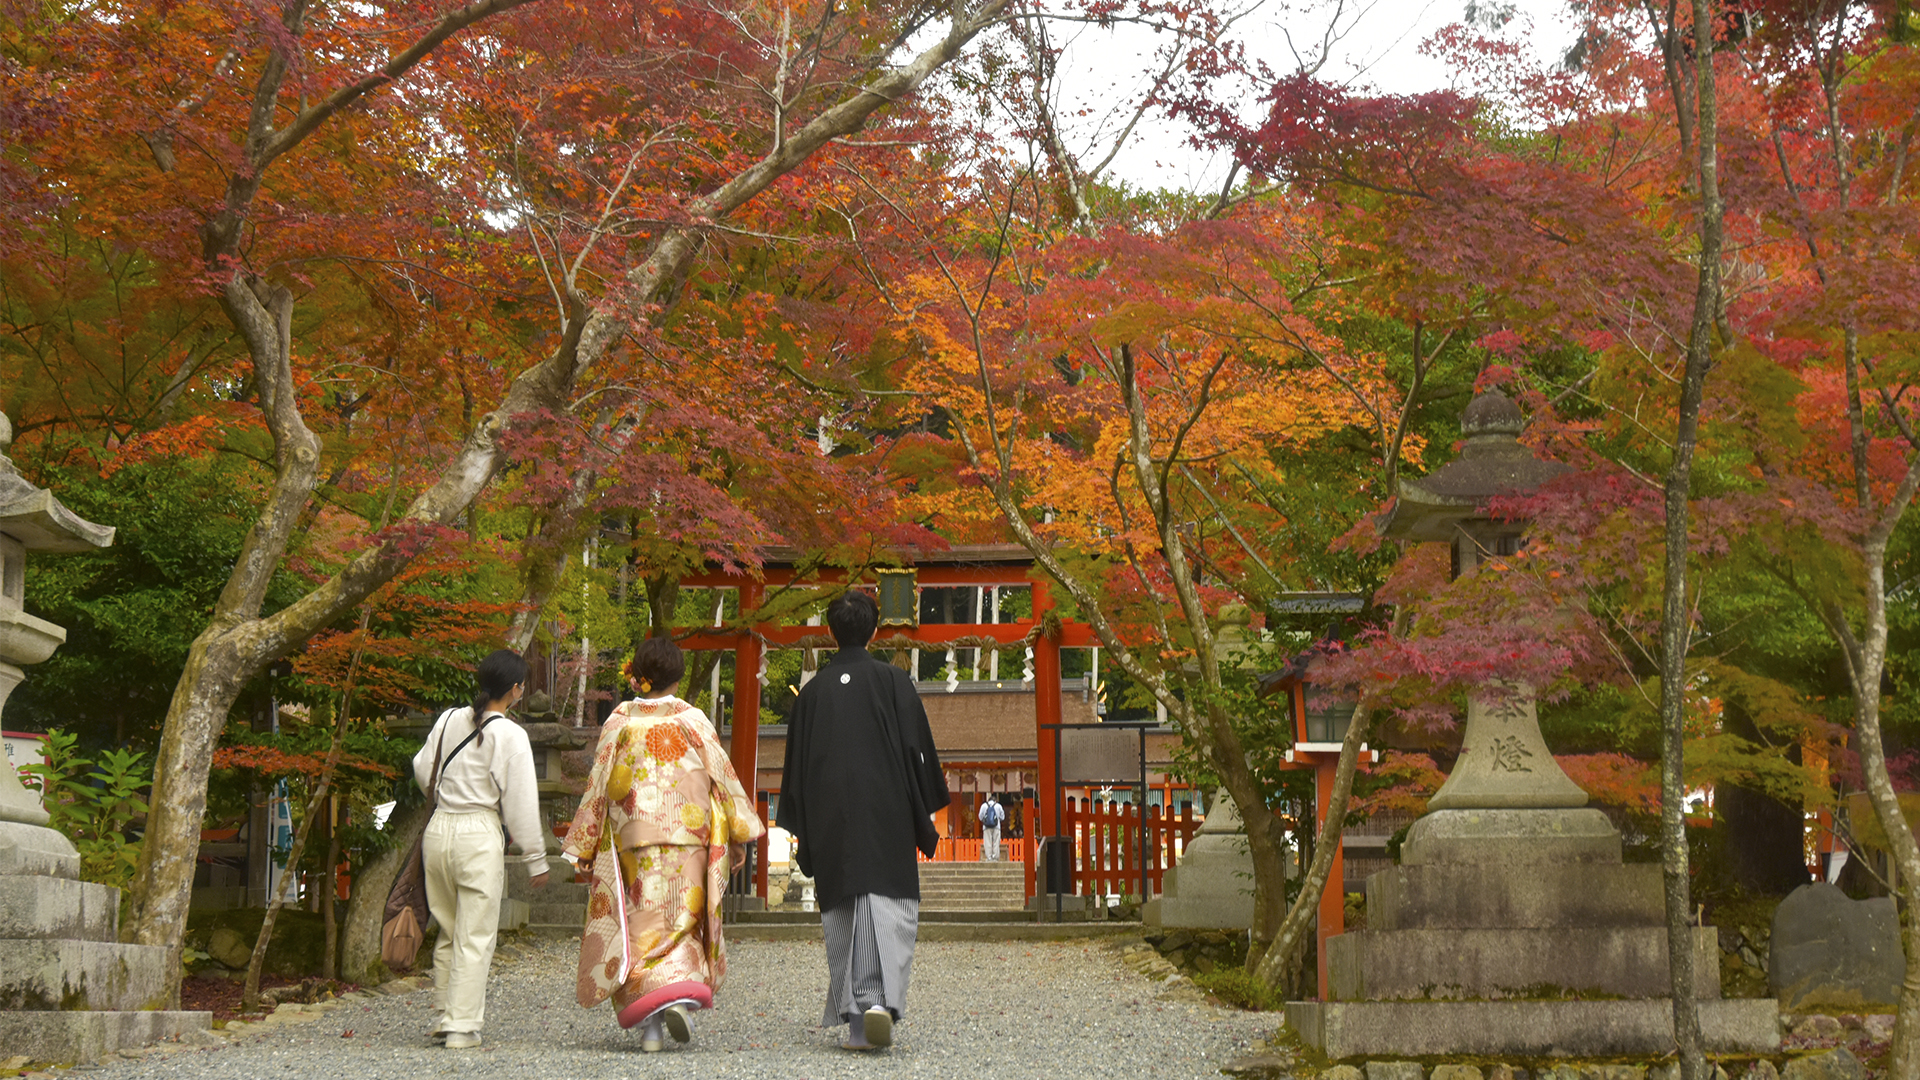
1380, 48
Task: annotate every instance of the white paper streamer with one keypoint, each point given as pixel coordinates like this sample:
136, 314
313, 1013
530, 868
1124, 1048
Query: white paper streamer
953, 672
762, 673
1026, 676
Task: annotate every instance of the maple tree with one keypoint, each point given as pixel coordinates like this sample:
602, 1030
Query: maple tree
269, 132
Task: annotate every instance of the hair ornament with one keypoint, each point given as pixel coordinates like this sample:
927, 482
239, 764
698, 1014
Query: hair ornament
646, 686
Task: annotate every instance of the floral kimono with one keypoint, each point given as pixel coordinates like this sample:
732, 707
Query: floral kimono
659, 812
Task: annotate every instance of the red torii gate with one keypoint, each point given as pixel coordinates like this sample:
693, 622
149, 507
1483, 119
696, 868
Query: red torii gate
1001, 565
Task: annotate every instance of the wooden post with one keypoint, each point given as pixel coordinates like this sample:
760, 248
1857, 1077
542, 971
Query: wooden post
745, 748
761, 801
1028, 840
1333, 898
1046, 708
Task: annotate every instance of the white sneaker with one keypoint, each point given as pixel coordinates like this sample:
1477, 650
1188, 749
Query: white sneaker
462, 1040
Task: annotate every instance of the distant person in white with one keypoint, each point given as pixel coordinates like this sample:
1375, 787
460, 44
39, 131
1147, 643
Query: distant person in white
486, 778
992, 816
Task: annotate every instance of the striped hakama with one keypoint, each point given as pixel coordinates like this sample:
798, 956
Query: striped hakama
869, 956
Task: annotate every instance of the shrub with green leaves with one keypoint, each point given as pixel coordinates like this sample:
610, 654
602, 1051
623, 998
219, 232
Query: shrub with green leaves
1238, 988
92, 802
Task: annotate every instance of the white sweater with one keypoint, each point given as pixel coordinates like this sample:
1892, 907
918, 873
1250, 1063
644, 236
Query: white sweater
494, 772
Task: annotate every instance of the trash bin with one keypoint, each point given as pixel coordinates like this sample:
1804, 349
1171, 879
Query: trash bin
1056, 862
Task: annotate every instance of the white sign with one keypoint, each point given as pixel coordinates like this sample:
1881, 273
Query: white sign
23, 749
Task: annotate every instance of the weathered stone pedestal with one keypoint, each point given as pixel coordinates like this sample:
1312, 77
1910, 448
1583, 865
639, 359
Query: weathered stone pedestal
1496, 917
1511, 927
1212, 887
69, 991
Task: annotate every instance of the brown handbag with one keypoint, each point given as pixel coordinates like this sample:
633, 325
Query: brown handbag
404, 927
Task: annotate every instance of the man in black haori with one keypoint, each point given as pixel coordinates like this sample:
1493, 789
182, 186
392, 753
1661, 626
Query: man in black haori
862, 780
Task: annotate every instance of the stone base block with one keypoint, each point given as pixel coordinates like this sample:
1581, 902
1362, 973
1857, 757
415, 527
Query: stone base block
47, 907
1201, 894
1524, 895
1512, 836
48, 974
514, 913
1399, 965
73, 1037
36, 851
1644, 1027
558, 914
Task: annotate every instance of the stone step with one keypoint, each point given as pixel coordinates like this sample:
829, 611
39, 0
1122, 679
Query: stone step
46, 907
90, 1036
1579, 1029
983, 916
569, 914
49, 974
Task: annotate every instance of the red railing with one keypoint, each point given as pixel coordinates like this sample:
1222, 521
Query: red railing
1107, 856
960, 849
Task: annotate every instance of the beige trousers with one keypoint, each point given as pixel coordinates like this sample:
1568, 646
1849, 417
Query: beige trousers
466, 875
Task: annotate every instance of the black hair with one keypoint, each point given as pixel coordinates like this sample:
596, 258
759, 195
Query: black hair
852, 617
657, 664
497, 675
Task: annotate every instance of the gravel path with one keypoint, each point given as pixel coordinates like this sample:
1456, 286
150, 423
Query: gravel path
976, 1010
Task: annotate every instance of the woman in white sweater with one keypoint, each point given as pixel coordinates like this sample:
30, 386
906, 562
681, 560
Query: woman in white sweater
482, 765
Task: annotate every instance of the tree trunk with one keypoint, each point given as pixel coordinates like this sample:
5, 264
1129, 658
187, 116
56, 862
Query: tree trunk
329, 887
1676, 613
1303, 917
360, 943
1866, 659
321, 797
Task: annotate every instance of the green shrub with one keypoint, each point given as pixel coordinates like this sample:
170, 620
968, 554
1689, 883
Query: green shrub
91, 802
1237, 988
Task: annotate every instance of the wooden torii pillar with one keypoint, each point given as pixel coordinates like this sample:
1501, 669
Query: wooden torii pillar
1046, 710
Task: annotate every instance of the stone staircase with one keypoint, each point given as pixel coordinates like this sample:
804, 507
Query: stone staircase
967, 892
559, 910
973, 886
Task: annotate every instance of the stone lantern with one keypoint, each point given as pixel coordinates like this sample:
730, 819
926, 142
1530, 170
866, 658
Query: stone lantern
1504, 763
69, 990
1511, 926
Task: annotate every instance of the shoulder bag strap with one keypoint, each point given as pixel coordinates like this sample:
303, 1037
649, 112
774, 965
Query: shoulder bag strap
433, 789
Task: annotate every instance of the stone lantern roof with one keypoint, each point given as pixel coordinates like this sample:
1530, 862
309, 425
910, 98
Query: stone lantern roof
32, 516
1492, 463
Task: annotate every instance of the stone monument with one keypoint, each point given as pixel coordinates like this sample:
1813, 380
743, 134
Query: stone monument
1212, 887
69, 991
1511, 925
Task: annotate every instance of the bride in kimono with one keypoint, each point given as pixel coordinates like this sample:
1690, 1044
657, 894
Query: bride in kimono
662, 820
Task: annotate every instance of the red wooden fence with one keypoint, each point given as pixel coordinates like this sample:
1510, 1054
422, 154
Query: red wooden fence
1106, 845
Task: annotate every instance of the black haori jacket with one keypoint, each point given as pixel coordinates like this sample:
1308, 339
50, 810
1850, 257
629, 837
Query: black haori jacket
861, 778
